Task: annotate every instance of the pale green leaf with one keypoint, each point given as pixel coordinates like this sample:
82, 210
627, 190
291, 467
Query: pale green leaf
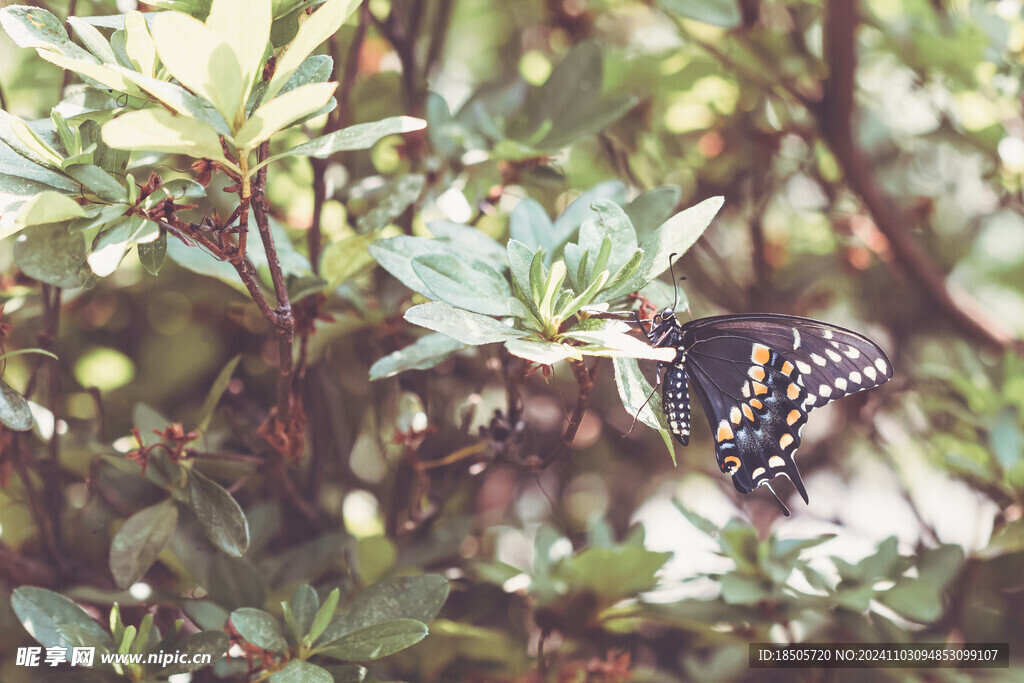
209, 67
465, 326
101, 73
282, 111
93, 39
244, 26
138, 542
542, 352
139, 44
158, 130
48, 207
424, 354
317, 28
359, 136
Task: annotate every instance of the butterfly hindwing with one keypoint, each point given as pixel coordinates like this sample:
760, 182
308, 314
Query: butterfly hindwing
756, 415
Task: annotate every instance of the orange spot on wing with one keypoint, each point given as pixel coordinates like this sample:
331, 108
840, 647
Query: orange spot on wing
786, 440
759, 389
793, 416
793, 391
761, 354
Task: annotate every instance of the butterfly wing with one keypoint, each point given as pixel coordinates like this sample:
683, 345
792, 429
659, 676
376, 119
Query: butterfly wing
758, 376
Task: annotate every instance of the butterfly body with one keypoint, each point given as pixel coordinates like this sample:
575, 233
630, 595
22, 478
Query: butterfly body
757, 377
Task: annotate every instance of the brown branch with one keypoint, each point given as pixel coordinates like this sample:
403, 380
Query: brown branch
834, 115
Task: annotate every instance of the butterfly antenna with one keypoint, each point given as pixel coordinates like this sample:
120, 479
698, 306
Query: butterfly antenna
782, 506
675, 284
637, 414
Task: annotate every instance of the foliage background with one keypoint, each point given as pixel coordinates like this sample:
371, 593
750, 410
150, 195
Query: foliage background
871, 158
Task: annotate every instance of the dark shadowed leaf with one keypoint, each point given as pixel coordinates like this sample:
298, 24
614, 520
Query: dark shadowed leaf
139, 541
213, 643
259, 628
55, 621
374, 642
51, 254
298, 671
407, 597
220, 517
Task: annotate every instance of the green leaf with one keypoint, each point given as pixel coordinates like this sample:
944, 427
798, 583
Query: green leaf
192, 649
244, 27
281, 112
298, 671
217, 390
611, 223
303, 608
347, 258
619, 285
220, 517
152, 254
48, 207
633, 391
424, 354
55, 621
374, 642
51, 254
676, 235
93, 40
111, 246
581, 209
395, 256
139, 541
470, 240
98, 181
37, 28
399, 196
100, 75
323, 617
177, 99
705, 525
359, 136
738, 589
467, 327
139, 44
464, 282
521, 260
916, 599
15, 413
614, 342
224, 56
530, 225
157, 130
724, 13
417, 598
615, 573
317, 28
542, 352
652, 208
259, 628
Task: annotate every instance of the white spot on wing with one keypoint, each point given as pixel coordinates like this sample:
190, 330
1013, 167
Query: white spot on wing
833, 356
818, 360
870, 373
882, 367
825, 390
796, 339
855, 377
803, 367
852, 352
841, 384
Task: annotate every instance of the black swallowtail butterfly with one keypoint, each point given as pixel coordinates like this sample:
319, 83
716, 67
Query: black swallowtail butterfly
758, 376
